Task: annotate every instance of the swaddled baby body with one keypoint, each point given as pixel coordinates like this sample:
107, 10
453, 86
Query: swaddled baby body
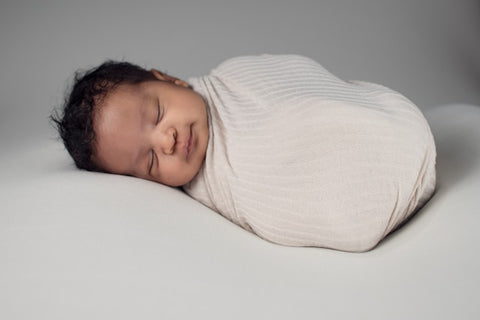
303, 158
277, 145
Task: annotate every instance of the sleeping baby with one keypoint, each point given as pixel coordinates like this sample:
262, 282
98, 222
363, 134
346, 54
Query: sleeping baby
274, 143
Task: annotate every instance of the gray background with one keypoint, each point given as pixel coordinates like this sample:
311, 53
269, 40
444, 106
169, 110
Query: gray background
429, 50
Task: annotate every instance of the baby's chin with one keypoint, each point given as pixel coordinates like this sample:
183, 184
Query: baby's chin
177, 181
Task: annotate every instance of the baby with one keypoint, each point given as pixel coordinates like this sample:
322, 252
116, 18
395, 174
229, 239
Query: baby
274, 143
123, 119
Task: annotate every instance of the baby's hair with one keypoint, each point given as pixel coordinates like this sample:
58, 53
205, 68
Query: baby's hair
75, 125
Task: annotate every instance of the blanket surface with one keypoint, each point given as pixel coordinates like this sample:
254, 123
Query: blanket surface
300, 157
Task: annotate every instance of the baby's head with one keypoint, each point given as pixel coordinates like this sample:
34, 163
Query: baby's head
120, 118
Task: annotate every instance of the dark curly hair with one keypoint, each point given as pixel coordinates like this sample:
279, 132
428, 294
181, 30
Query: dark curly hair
75, 125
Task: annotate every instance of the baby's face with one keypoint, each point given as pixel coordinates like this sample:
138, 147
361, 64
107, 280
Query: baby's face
156, 130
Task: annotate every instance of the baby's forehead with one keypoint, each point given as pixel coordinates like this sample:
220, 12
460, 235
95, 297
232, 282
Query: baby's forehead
121, 95
119, 118
124, 90
125, 101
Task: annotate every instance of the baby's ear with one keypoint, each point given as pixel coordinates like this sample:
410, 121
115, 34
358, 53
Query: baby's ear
165, 77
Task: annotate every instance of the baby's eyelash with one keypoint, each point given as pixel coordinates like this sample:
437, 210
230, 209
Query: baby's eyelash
158, 113
152, 157
151, 162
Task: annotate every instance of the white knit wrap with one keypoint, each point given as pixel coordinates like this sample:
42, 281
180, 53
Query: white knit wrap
300, 157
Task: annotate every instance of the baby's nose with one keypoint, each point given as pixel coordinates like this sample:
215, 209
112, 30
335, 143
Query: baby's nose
168, 141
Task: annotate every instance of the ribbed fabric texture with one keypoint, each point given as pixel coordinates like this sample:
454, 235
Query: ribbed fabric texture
300, 157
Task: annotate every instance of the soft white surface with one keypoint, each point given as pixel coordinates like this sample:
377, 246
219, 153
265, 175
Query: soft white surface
80, 245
